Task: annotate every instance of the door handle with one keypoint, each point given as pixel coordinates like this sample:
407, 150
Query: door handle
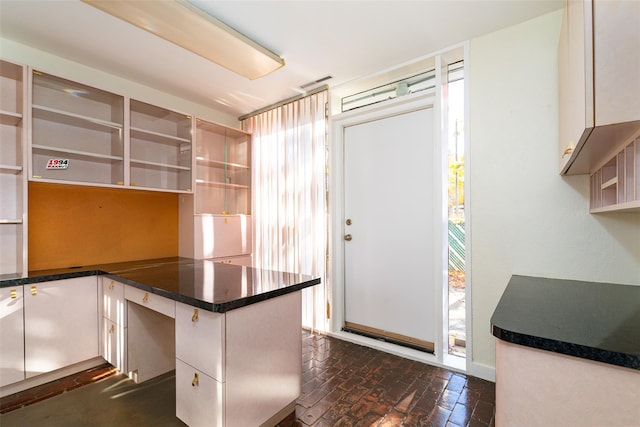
348, 237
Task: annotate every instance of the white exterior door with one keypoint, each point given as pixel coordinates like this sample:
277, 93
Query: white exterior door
389, 246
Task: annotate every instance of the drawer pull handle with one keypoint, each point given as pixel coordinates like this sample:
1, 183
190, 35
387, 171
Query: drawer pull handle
111, 285
34, 290
195, 315
145, 298
13, 293
195, 380
111, 329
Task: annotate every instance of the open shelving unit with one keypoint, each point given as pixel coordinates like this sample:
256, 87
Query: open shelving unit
223, 170
79, 124
615, 186
160, 148
13, 203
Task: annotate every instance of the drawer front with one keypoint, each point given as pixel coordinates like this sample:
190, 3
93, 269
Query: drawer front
151, 301
199, 398
200, 339
114, 341
113, 301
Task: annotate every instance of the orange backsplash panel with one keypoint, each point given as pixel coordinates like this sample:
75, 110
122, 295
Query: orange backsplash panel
72, 225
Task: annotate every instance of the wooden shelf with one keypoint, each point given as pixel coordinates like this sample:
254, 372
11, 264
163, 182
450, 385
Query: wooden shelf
12, 169
221, 184
10, 221
10, 118
220, 163
76, 153
611, 183
72, 119
159, 165
157, 136
627, 207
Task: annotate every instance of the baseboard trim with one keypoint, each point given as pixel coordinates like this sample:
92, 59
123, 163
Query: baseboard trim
482, 371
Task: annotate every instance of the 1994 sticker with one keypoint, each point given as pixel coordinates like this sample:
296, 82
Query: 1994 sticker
58, 164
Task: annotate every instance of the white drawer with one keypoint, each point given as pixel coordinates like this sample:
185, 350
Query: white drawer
199, 398
114, 342
151, 301
200, 339
113, 301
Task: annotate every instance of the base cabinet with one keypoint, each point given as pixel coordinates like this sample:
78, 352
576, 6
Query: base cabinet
240, 368
539, 388
11, 335
60, 323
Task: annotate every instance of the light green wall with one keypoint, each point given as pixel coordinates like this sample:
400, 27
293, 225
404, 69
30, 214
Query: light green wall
525, 218
61, 67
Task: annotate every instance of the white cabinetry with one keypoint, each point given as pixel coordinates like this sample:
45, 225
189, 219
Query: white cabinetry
200, 366
11, 335
223, 174
615, 186
85, 135
79, 125
240, 368
113, 324
161, 154
216, 221
599, 53
61, 324
13, 182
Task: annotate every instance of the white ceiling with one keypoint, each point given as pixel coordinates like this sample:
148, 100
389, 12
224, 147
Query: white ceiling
344, 39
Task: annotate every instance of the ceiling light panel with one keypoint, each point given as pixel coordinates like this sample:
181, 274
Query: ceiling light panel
187, 26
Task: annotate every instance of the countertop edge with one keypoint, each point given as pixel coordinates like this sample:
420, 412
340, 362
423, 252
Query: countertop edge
523, 292
213, 307
569, 349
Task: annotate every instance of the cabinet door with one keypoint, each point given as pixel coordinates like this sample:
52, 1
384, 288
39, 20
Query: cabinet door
114, 340
575, 56
61, 324
200, 400
217, 236
200, 339
11, 335
113, 307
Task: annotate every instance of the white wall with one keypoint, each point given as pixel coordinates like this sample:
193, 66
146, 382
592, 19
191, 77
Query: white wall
64, 68
525, 218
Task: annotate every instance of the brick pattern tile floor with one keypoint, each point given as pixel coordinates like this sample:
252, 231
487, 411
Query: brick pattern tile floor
348, 385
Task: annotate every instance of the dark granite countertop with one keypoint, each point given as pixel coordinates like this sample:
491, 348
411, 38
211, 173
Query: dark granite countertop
201, 283
596, 321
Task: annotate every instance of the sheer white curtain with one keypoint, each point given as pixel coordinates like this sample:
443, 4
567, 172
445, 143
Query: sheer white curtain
289, 195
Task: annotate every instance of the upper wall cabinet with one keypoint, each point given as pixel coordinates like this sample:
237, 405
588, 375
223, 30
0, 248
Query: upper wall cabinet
77, 132
599, 88
85, 135
223, 163
160, 148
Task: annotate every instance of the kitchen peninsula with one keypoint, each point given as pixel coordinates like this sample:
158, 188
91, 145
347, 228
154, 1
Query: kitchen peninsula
232, 333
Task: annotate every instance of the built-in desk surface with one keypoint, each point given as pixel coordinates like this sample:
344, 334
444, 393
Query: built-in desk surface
204, 284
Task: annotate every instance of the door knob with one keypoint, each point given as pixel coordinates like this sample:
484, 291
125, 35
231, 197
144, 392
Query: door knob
348, 237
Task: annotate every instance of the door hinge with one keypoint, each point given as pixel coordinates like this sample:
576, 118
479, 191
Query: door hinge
328, 310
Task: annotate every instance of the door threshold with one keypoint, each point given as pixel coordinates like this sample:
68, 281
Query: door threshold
390, 337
